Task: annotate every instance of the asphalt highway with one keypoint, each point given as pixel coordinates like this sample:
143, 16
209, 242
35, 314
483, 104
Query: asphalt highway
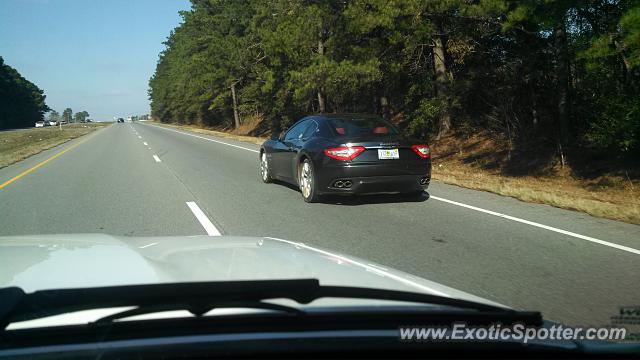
142, 179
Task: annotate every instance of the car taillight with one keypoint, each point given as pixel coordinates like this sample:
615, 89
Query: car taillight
422, 150
344, 153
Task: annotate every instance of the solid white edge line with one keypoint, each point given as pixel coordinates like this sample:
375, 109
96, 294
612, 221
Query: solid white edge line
367, 267
203, 219
146, 246
546, 227
204, 138
156, 158
508, 217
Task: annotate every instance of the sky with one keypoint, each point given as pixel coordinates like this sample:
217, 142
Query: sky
91, 55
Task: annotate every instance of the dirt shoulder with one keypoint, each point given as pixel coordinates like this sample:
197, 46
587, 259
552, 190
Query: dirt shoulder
480, 163
16, 145
585, 183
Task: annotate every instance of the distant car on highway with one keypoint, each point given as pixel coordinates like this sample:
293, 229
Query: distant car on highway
53, 123
346, 154
120, 120
39, 124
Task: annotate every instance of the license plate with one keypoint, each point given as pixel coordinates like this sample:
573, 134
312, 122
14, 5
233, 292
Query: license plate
388, 154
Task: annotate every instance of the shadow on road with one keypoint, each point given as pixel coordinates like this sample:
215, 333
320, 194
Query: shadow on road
356, 200
374, 199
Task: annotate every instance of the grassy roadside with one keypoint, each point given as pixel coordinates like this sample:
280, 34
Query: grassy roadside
16, 145
607, 196
611, 203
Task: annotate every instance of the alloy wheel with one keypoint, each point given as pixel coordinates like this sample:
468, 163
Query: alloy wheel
306, 179
264, 168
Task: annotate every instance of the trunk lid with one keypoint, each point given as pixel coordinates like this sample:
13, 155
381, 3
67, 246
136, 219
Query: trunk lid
388, 142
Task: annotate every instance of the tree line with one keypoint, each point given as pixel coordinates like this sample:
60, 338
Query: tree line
559, 72
21, 102
68, 116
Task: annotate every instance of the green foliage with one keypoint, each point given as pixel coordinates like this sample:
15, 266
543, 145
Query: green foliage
54, 116
80, 117
67, 115
502, 67
426, 115
621, 40
21, 102
618, 127
630, 34
341, 81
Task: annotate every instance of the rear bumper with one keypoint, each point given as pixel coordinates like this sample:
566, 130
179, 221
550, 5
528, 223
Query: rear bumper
382, 185
369, 180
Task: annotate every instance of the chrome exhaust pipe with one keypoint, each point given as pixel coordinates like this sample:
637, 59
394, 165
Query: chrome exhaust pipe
347, 183
338, 184
423, 181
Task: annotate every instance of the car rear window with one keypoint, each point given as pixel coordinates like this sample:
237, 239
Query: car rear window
361, 126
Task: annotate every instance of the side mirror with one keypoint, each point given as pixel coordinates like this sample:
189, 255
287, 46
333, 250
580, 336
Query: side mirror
275, 136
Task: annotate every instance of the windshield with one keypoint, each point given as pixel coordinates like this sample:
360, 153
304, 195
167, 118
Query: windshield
480, 150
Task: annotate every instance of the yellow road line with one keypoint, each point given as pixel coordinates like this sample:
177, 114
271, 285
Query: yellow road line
42, 163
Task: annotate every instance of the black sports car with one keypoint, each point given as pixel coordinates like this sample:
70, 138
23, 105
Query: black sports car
346, 154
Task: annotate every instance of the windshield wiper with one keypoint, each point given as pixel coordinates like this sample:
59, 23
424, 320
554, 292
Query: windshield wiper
201, 297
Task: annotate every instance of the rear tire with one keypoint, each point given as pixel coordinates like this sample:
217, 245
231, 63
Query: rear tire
307, 181
265, 173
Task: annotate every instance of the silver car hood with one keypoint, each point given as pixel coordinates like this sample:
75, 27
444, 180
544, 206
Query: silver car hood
91, 260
